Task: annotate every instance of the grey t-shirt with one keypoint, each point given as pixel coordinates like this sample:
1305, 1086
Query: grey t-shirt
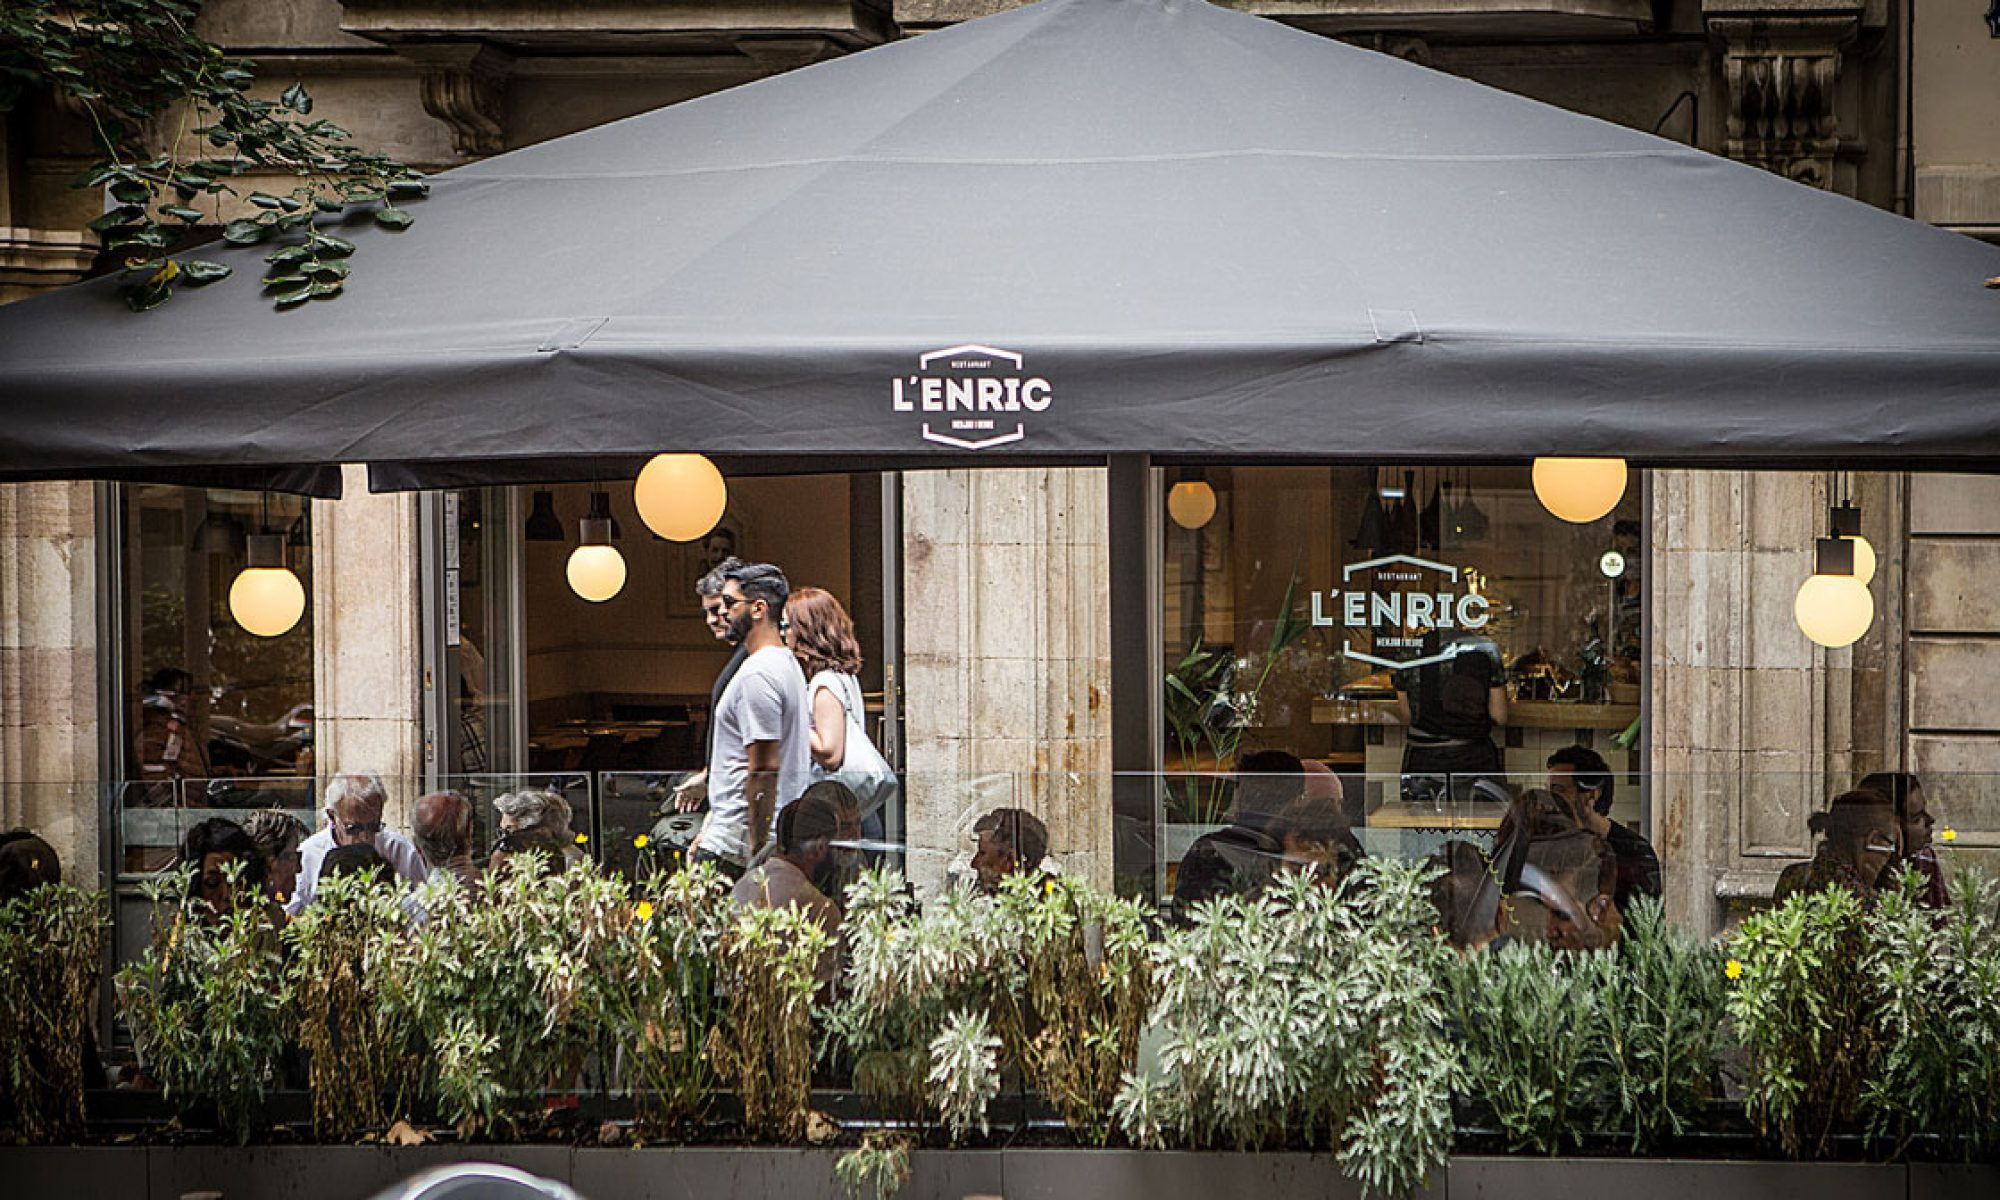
765, 702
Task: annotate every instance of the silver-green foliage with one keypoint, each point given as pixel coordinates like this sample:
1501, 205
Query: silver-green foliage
1934, 980
876, 1169
1078, 994
498, 988
909, 972
206, 1002
965, 1072
1527, 1016
1800, 1009
1623, 1039
1305, 1012
1661, 1031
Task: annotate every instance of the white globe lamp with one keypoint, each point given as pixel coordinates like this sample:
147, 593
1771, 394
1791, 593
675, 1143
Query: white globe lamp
266, 598
1191, 503
680, 496
1579, 490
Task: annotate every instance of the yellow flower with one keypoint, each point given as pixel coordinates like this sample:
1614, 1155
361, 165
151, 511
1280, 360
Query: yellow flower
1947, 834
645, 910
1733, 969
641, 841
582, 838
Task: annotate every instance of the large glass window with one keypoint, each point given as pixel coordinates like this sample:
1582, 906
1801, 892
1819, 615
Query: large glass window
612, 698
1411, 629
206, 698
214, 716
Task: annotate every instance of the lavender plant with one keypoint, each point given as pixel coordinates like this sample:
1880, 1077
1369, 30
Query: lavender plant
1933, 979
1305, 1011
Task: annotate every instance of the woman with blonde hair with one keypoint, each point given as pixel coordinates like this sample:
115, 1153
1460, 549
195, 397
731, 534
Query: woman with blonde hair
821, 637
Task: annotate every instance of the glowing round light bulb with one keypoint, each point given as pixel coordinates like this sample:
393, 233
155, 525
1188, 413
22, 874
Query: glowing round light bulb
1579, 490
1191, 504
1834, 610
267, 601
680, 496
1864, 559
596, 573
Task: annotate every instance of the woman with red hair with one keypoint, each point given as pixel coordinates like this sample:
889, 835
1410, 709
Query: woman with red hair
821, 637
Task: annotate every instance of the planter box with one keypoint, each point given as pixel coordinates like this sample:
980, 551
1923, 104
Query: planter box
1180, 1175
757, 1172
316, 1172
1478, 1178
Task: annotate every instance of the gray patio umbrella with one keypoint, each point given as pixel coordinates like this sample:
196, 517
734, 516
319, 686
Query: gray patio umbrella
1073, 229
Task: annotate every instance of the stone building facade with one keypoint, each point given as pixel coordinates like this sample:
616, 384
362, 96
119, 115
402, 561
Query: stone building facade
1886, 101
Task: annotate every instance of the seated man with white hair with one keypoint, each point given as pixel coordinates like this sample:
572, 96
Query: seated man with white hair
354, 806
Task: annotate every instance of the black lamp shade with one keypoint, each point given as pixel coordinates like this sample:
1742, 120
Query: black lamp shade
543, 524
1833, 556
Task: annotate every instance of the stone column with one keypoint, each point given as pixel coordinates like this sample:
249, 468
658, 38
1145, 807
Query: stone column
1953, 580
48, 669
367, 656
1006, 655
1754, 726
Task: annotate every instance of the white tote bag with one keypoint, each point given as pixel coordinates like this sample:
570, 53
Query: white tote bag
862, 768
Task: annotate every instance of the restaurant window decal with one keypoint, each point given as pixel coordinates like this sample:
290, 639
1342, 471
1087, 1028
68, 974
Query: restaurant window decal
1390, 622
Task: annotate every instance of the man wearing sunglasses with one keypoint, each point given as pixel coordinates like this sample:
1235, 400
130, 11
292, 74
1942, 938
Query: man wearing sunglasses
693, 790
762, 754
354, 806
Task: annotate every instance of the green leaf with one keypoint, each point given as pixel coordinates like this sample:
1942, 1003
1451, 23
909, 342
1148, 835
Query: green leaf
294, 299
393, 218
199, 271
409, 187
328, 270
244, 232
124, 214
332, 247
131, 191
266, 201
289, 280
296, 99
181, 213
323, 288
147, 296
289, 254
326, 205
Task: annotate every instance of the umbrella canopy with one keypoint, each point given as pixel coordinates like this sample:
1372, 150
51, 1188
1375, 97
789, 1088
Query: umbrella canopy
1073, 229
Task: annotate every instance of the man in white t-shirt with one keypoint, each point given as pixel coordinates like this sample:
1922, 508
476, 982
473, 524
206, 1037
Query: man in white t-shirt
762, 755
354, 805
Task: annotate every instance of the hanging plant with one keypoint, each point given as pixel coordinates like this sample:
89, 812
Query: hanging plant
173, 123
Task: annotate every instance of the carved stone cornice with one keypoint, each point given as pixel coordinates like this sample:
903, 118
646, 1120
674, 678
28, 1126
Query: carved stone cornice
1434, 20
465, 86
1781, 64
39, 260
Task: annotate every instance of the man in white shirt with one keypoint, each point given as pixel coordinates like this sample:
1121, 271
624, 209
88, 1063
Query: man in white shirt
354, 805
762, 755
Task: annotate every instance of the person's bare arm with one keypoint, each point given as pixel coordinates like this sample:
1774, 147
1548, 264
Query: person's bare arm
1496, 705
760, 790
829, 730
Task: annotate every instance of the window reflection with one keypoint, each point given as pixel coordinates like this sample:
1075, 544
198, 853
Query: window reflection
1416, 630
